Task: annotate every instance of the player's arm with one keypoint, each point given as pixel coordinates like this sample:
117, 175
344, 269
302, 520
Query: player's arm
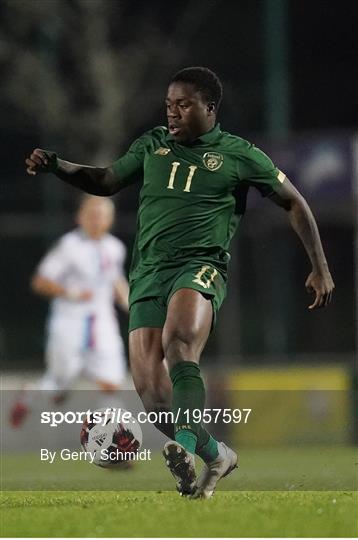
105, 181
51, 289
94, 180
121, 291
303, 222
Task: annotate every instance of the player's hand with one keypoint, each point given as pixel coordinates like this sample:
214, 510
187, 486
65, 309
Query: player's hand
322, 285
84, 296
41, 161
79, 296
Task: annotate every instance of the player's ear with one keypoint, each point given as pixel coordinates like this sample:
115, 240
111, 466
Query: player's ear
211, 107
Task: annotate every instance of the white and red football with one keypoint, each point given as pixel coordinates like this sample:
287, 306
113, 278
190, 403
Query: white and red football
112, 436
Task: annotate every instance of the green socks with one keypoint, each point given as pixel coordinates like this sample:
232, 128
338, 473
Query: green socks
187, 439
188, 405
209, 451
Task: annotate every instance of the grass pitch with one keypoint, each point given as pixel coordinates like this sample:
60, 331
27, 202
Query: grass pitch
260, 469
138, 514
285, 492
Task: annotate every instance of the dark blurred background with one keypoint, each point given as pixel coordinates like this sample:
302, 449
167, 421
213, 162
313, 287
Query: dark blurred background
86, 77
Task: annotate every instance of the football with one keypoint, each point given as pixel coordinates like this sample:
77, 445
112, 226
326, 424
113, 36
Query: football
111, 436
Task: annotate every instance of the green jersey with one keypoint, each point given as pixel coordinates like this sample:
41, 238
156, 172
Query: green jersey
187, 202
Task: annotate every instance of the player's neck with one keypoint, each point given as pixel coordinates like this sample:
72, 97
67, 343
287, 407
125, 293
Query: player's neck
93, 236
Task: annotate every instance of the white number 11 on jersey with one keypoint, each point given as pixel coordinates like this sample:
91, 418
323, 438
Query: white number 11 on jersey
175, 165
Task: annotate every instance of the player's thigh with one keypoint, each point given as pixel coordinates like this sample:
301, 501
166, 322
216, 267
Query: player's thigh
187, 326
146, 320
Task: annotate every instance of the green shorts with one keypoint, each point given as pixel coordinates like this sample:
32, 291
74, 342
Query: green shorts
150, 294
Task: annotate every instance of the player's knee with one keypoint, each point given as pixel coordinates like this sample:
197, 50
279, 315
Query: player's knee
180, 346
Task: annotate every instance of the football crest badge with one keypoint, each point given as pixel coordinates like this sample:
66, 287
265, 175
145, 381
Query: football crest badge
213, 161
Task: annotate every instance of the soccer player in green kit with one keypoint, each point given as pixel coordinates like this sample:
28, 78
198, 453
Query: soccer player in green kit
186, 220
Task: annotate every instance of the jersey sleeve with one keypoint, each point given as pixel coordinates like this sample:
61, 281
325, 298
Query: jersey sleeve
55, 263
257, 170
129, 167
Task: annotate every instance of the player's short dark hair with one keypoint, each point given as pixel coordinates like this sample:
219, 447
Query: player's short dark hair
204, 80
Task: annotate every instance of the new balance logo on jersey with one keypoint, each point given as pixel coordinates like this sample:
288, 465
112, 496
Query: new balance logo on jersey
162, 151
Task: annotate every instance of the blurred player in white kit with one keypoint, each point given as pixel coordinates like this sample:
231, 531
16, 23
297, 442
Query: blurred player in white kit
83, 276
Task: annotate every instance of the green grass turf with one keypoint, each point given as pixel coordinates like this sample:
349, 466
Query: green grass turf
119, 506
305, 468
133, 514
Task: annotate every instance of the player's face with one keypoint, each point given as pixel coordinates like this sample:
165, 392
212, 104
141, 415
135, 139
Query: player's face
95, 217
189, 115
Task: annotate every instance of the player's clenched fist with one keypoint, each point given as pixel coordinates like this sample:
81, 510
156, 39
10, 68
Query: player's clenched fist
41, 161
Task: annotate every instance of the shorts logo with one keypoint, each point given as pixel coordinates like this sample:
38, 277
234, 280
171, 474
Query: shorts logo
208, 281
213, 161
162, 151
